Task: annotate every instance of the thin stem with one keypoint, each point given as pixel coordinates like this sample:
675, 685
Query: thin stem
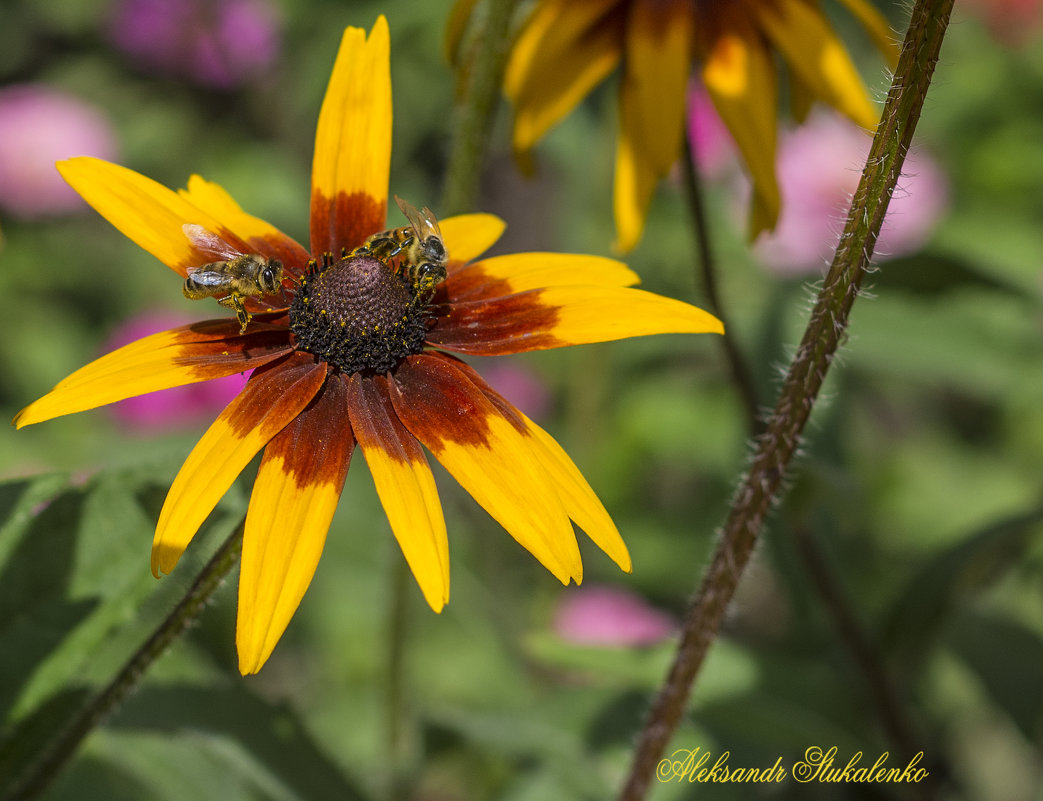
706, 269
481, 81
397, 722
775, 448
886, 701
56, 754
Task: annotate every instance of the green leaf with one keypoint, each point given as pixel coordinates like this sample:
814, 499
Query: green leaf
952, 576
1006, 656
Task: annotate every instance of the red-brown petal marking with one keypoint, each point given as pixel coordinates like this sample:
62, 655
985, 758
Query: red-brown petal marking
581, 502
489, 456
344, 222
404, 483
274, 395
512, 324
294, 497
185, 355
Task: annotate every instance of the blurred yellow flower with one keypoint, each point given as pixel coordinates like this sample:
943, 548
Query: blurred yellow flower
567, 47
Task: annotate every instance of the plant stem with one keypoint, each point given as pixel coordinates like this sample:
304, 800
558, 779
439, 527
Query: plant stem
761, 485
481, 80
706, 268
57, 753
399, 723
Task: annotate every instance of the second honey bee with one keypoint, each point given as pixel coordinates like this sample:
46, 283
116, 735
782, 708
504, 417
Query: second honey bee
236, 276
415, 251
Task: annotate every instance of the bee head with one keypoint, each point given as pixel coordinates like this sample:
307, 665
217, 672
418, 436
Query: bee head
270, 277
434, 249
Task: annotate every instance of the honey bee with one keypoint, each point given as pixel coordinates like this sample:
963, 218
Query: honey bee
415, 251
236, 276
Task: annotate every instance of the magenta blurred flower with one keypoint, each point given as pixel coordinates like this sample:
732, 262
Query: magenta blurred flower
40, 125
221, 43
521, 386
610, 616
175, 407
819, 165
712, 145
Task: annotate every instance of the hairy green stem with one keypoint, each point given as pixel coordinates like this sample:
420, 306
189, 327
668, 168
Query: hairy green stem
39, 773
480, 80
762, 484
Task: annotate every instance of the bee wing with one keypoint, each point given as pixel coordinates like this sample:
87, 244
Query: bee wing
424, 222
204, 277
208, 243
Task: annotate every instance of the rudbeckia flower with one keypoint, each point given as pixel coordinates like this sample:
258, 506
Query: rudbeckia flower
352, 354
567, 47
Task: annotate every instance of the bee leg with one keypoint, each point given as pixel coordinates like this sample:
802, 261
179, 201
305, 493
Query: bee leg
384, 248
235, 302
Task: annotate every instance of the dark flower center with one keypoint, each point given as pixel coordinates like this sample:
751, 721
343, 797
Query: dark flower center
359, 315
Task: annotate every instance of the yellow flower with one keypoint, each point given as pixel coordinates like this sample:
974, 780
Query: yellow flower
351, 354
567, 47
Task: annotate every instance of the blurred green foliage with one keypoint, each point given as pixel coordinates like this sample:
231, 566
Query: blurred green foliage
920, 483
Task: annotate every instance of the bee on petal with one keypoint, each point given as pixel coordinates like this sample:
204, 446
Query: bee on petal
415, 251
234, 277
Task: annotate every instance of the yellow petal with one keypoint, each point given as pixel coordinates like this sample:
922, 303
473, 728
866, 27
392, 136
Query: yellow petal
271, 399
294, 497
353, 144
740, 78
580, 501
518, 272
144, 211
560, 316
257, 235
468, 236
565, 49
490, 458
600, 314
878, 28
651, 108
404, 484
196, 352
814, 52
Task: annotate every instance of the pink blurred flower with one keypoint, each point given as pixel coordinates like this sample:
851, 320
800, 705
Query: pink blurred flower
610, 616
1011, 22
819, 165
712, 145
175, 407
520, 386
40, 125
221, 43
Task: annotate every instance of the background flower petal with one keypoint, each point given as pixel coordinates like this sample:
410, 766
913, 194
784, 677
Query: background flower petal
294, 497
564, 315
349, 179
740, 77
185, 355
651, 108
565, 49
490, 458
812, 50
404, 484
274, 395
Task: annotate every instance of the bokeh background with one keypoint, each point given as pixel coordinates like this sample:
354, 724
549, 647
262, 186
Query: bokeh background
909, 546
